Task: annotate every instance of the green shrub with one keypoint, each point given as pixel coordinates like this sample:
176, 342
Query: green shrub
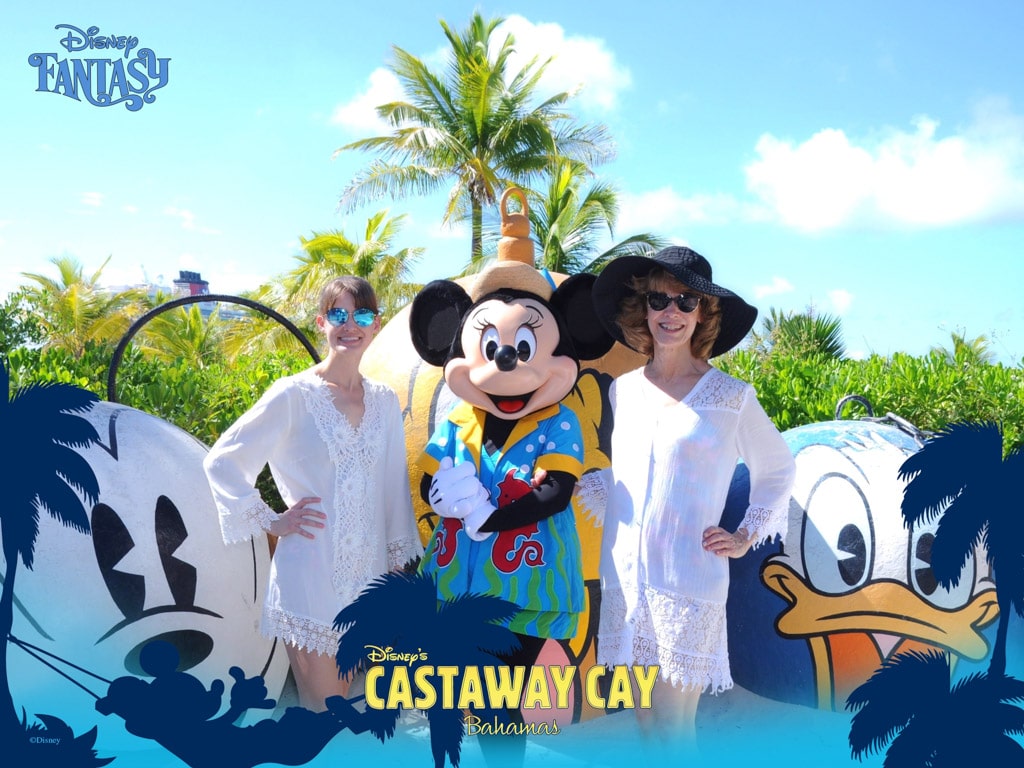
929, 392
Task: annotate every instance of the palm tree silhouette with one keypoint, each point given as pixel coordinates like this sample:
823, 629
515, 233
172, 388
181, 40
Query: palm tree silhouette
962, 466
44, 473
932, 724
959, 473
401, 611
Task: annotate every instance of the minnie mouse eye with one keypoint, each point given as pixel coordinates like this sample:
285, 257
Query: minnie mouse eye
526, 344
489, 342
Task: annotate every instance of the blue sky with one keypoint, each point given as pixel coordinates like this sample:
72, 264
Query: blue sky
866, 159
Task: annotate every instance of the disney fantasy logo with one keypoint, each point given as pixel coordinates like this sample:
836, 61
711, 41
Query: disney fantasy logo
102, 82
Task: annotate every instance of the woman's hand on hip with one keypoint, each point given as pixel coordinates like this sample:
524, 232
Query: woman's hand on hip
720, 542
300, 518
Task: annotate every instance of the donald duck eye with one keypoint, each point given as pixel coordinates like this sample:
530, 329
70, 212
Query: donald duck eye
838, 541
922, 578
489, 342
526, 344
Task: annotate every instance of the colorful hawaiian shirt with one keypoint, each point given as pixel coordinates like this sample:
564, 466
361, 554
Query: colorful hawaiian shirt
537, 566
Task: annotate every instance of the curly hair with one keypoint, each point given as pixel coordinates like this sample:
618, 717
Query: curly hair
361, 291
632, 317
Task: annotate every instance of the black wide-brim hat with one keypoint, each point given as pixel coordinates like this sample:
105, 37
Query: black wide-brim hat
688, 267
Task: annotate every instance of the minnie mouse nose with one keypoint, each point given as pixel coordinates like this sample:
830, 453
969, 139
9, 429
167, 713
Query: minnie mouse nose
505, 358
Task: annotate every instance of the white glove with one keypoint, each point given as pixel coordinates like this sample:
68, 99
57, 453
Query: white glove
479, 514
455, 490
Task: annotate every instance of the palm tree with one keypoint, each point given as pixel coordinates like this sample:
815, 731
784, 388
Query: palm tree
328, 254
966, 352
568, 221
44, 473
909, 701
325, 255
960, 472
800, 334
73, 309
473, 130
401, 611
183, 334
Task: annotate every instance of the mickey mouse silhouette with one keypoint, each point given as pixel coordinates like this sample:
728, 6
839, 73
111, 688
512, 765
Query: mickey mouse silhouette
177, 711
500, 468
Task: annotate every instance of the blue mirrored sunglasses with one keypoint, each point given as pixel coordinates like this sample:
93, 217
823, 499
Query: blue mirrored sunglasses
338, 316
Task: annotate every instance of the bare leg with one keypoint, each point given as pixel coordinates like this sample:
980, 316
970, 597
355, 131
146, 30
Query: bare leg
669, 728
316, 678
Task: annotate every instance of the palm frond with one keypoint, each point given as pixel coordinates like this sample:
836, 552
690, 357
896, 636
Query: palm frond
960, 530
904, 687
956, 456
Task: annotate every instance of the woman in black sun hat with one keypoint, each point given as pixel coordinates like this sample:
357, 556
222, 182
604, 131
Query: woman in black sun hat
680, 425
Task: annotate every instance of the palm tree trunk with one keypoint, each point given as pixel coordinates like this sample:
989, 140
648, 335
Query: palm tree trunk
997, 664
10, 724
478, 231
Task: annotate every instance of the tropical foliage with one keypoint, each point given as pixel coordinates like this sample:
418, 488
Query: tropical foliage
19, 326
926, 390
800, 334
570, 219
930, 723
73, 309
462, 632
324, 256
183, 334
961, 474
964, 351
473, 131
45, 474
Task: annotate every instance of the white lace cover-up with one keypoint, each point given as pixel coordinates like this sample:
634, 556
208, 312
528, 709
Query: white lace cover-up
662, 595
361, 476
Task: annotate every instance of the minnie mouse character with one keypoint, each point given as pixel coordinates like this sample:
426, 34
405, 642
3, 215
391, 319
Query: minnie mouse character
500, 468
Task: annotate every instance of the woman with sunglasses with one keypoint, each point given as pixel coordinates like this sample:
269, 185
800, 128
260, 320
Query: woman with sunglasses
680, 425
334, 443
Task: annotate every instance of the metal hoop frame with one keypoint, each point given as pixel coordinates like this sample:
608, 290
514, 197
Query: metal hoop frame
136, 326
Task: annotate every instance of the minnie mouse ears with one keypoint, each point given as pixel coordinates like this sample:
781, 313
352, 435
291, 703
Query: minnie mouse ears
437, 312
435, 319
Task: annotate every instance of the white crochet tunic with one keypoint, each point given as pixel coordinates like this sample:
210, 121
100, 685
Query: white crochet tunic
662, 595
359, 473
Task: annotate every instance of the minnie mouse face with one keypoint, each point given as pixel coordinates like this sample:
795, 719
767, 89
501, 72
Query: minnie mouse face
513, 361
513, 350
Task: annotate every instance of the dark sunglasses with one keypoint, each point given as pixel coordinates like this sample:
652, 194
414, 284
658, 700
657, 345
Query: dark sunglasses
338, 316
686, 302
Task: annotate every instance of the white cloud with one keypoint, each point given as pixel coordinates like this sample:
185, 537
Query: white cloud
579, 62
188, 220
664, 211
915, 178
94, 199
187, 217
777, 286
841, 300
359, 115
583, 63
